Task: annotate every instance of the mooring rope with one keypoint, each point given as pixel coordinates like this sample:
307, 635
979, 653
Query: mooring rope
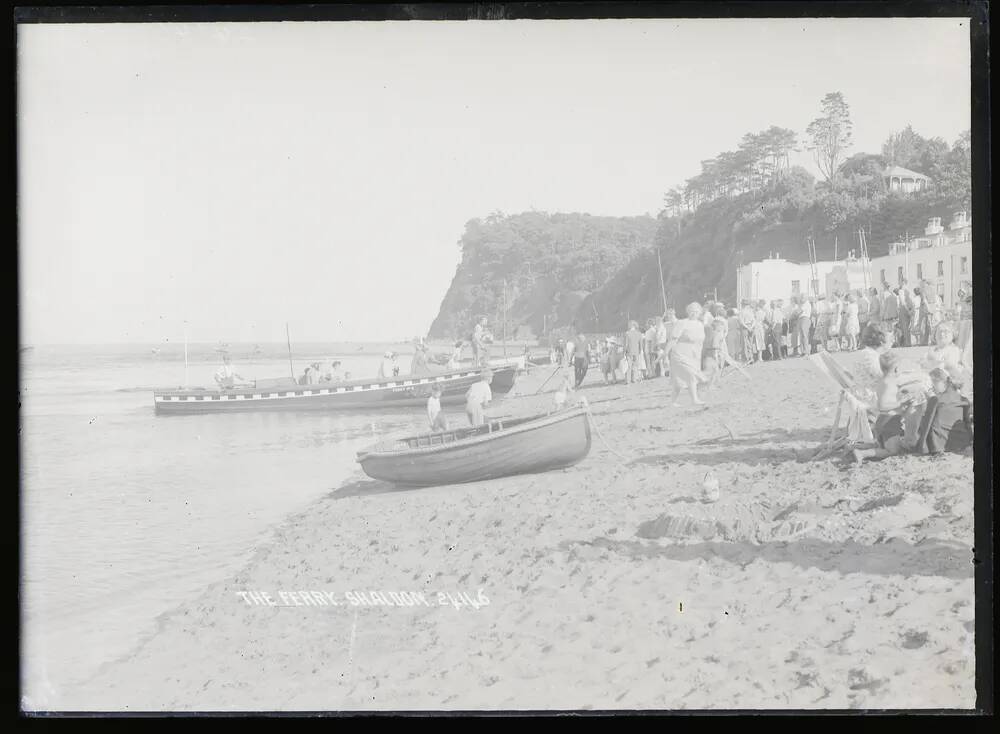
593, 424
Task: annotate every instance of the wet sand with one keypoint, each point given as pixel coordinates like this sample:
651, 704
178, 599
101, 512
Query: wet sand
610, 585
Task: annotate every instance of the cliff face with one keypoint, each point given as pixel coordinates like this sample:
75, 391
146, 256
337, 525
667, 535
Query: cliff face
549, 262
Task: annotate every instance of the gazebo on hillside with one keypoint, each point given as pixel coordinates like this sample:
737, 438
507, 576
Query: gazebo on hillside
904, 180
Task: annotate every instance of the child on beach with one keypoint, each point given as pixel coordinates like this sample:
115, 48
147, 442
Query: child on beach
477, 398
564, 391
434, 414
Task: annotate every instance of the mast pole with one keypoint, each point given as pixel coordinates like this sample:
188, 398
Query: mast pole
291, 370
185, 354
663, 289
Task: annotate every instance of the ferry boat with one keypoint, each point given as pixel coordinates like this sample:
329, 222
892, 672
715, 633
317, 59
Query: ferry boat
372, 393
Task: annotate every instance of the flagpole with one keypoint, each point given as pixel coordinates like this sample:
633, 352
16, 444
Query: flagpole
663, 289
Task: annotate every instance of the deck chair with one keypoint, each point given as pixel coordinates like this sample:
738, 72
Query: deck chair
858, 429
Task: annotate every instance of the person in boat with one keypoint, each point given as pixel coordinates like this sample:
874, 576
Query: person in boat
313, 374
434, 414
226, 376
420, 364
477, 398
480, 343
332, 374
456, 356
385, 368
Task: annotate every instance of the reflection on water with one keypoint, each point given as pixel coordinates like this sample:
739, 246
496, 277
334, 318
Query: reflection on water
126, 515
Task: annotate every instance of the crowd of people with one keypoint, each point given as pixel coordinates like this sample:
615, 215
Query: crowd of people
933, 404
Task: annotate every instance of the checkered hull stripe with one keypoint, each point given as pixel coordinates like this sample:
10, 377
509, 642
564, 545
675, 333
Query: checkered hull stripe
371, 387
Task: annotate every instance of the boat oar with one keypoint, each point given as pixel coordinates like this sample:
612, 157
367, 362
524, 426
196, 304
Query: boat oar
547, 379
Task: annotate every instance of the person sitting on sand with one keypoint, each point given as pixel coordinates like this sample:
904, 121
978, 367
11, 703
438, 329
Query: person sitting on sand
434, 414
901, 406
945, 353
684, 352
867, 370
946, 423
477, 398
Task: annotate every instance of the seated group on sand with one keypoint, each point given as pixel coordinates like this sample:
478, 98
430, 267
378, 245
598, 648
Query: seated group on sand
920, 407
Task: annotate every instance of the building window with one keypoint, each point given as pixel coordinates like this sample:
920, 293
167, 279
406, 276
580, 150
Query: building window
882, 277
940, 267
940, 290
920, 271
796, 287
899, 274
965, 265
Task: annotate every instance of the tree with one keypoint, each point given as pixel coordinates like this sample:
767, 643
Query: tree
830, 134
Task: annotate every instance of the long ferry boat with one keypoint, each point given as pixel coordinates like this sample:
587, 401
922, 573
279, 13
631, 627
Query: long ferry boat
285, 394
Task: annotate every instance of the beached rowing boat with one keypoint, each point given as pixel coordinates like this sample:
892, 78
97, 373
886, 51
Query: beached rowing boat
498, 449
374, 393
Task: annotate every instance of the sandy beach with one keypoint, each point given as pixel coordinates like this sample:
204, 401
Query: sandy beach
608, 585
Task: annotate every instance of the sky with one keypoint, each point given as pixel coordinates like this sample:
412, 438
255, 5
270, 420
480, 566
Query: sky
225, 179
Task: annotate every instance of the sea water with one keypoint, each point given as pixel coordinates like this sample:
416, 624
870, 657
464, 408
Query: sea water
126, 514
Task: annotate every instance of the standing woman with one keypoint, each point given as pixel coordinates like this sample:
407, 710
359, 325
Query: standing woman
819, 323
835, 316
863, 308
748, 320
805, 322
875, 304
924, 318
684, 351
852, 323
760, 330
965, 326
734, 342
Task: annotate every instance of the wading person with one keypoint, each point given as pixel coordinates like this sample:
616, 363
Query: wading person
684, 351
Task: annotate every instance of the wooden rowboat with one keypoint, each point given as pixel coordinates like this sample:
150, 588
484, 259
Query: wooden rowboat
376, 393
497, 449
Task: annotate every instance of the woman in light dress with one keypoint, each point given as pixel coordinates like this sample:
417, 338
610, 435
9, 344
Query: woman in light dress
834, 319
734, 335
684, 351
852, 322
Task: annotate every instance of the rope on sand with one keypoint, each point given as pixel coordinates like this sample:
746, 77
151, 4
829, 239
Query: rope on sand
593, 423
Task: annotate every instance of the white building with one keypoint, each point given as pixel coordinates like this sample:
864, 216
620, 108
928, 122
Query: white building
941, 257
904, 180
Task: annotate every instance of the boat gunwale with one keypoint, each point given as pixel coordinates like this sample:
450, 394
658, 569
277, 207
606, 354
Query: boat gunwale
332, 388
540, 421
